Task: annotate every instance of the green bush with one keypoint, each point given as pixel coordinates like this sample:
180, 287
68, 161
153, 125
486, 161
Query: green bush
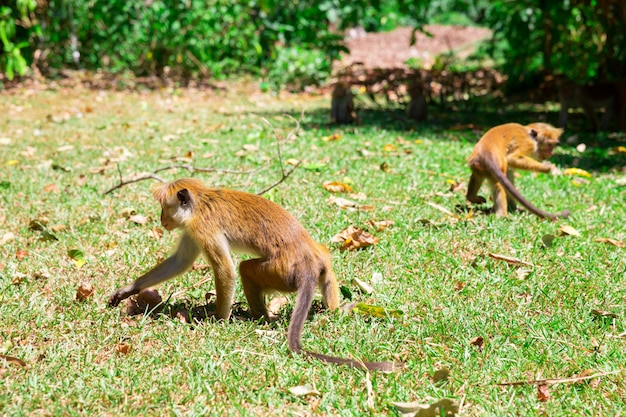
296, 67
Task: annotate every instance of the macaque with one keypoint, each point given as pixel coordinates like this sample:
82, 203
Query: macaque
285, 258
609, 96
342, 106
418, 107
507, 147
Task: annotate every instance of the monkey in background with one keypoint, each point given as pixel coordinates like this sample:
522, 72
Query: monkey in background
507, 147
418, 106
609, 95
342, 104
285, 258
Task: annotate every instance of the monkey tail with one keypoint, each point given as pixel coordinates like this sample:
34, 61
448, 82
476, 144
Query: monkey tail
299, 315
510, 188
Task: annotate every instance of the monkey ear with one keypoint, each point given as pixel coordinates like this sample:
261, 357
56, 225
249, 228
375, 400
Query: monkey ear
533, 134
183, 197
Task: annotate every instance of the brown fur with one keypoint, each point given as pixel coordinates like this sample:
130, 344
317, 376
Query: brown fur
418, 107
285, 257
342, 104
611, 96
507, 147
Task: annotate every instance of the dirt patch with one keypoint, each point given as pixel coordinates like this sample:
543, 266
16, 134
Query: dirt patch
393, 49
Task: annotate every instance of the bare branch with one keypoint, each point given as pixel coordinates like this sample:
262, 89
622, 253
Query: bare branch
122, 183
552, 381
283, 178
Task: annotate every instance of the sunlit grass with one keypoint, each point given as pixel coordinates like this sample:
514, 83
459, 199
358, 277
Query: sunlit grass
62, 149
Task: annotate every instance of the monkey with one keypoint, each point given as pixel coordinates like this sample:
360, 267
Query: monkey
610, 95
342, 105
285, 258
507, 147
418, 107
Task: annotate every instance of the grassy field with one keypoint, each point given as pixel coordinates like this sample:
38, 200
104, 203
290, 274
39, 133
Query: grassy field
476, 319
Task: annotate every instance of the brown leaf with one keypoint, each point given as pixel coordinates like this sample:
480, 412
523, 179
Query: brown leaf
568, 230
138, 219
477, 341
354, 238
603, 313
7, 237
12, 360
336, 187
543, 394
276, 303
21, 254
155, 233
50, 188
146, 301
508, 259
84, 291
123, 348
614, 242
459, 285
381, 225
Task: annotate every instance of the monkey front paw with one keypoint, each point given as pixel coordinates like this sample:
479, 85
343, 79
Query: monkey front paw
115, 299
476, 199
556, 171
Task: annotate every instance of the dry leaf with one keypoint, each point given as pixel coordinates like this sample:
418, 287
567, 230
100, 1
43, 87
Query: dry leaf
332, 138
51, 188
441, 375
614, 242
445, 407
459, 285
126, 212
441, 209
12, 360
21, 254
155, 233
276, 303
303, 390
508, 259
138, 219
364, 286
84, 291
353, 238
123, 348
543, 394
577, 171
146, 301
336, 187
390, 147
477, 341
522, 273
381, 225
568, 230
603, 313
7, 237
341, 202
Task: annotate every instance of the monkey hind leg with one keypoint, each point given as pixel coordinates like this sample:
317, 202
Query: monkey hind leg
330, 289
254, 277
510, 200
476, 180
500, 200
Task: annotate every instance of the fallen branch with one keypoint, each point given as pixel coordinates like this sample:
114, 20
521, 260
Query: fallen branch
552, 381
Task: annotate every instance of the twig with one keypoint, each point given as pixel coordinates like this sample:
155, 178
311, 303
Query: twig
283, 178
137, 179
552, 381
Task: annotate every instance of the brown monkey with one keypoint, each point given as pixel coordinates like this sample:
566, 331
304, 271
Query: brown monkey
507, 147
286, 258
418, 107
342, 105
610, 95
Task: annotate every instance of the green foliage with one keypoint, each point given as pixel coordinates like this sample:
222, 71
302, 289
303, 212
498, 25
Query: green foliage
297, 67
13, 41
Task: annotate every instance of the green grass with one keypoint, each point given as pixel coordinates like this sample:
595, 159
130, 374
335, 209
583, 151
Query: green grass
436, 268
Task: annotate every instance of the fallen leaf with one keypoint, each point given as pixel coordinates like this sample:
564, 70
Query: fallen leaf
441, 375
377, 311
332, 138
508, 259
614, 242
341, 202
522, 273
21, 254
459, 285
577, 172
445, 407
336, 187
12, 360
77, 256
603, 313
442, 209
13, 162
568, 230
353, 238
381, 225
84, 291
7, 237
145, 302
156, 233
364, 286
126, 212
477, 341
377, 278
276, 303
292, 161
123, 348
620, 149
303, 390
547, 240
138, 219
543, 393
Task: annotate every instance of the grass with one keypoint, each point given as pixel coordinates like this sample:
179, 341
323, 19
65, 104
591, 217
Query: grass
66, 146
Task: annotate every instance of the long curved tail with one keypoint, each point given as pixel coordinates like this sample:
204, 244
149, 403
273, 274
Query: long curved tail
510, 188
298, 317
